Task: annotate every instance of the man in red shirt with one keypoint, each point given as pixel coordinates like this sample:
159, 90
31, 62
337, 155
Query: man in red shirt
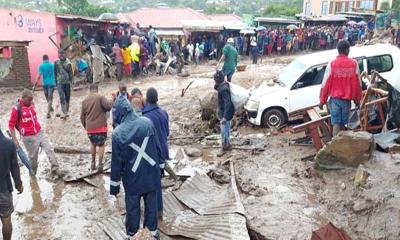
342, 84
24, 119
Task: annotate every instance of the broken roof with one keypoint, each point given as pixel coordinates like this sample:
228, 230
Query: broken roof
164, 17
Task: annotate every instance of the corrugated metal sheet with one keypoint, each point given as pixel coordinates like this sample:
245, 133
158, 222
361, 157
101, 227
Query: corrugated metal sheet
115, 229
204, 196
169, 32
181, 221
210, 227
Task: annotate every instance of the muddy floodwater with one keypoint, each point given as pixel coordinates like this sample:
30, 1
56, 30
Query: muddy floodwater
284, 197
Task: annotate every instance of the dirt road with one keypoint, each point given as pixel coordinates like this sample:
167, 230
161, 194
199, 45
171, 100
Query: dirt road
285, 198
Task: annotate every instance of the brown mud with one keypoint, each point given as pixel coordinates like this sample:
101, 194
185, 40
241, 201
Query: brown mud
284, 197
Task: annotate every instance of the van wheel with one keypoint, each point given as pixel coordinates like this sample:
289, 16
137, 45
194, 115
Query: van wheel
273, 118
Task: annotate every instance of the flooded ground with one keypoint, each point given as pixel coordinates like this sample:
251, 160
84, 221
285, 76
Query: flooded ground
284, 197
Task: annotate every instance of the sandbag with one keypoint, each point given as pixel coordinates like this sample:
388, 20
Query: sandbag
330, 232
239, 96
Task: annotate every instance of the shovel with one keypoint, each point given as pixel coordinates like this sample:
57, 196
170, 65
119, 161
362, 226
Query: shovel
24, 159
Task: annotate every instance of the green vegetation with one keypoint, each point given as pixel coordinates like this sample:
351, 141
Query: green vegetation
80, 7
283, 9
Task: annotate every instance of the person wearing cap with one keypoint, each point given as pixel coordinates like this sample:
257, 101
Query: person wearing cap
64, 78
230, 56
226, 110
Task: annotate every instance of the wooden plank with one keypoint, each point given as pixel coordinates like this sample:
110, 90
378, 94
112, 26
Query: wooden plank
71, 150
303, 126
300, 111
315, 136
313, 114
380, 91
380, 100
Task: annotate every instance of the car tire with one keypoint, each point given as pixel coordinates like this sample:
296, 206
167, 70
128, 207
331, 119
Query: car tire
273, 118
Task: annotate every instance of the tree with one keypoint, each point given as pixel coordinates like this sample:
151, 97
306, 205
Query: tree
80, 7
286, 9
385, 5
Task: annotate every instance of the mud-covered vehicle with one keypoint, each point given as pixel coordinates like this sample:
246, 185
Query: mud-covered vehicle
298, 86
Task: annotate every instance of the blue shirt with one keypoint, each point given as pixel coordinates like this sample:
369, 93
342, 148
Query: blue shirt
47, 71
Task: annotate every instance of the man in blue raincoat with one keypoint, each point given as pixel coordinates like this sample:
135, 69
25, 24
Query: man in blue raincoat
136, 159
160, 119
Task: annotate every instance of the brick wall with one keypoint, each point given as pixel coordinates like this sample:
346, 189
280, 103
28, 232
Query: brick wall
19, 74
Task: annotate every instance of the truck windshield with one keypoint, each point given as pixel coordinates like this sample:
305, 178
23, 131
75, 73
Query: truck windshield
291, 72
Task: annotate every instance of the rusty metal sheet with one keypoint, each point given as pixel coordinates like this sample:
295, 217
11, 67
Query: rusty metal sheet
179, 220
204, 196
114, 228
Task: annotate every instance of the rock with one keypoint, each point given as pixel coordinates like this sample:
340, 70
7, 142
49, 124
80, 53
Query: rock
394, 148
362, 205
347, 148
343, 186
361, 176
220, 175
193, 152
209, 105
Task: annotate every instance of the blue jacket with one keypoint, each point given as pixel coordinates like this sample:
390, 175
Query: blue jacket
160, 119
120, 109
136, 157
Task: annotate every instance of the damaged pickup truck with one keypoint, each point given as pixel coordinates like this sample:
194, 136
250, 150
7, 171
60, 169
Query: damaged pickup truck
298, 86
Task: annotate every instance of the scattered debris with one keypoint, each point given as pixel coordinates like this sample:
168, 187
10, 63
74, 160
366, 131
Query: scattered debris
91, 182
362, 205
71, 150
143, 234
220, 175
387, 141
193, 152
348, 148
204, 196
330, 232
361, 176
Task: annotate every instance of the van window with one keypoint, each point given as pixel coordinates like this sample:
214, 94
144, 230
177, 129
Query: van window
383, 63
360, 65
313, 76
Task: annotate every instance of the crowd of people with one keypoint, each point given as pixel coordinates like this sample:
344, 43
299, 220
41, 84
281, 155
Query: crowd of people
140, 151
292, 39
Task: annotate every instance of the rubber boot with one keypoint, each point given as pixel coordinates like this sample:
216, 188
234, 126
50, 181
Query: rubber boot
222, 151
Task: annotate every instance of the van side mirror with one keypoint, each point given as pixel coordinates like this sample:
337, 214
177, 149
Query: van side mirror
298, 85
